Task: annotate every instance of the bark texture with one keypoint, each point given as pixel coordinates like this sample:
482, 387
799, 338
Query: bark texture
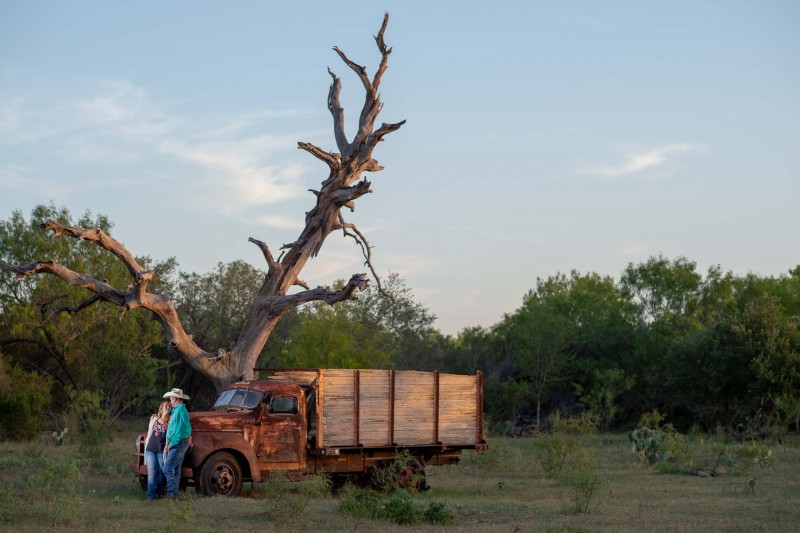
343, 186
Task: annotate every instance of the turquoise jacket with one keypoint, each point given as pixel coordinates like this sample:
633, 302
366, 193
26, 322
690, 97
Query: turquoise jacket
179, 426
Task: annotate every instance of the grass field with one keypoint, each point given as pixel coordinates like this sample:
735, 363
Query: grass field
73, 488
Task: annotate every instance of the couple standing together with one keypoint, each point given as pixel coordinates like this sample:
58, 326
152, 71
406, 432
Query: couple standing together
166, 444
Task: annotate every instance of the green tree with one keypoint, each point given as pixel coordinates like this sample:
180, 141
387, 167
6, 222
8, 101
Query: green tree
660, 288
214, 305
665, 295
58, 331
541, 337
372, 331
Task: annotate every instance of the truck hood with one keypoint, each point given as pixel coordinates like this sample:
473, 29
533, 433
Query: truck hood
221, 420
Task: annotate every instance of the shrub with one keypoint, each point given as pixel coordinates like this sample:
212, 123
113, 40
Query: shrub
24, 399
398, 507
54, 482
671, 452
403, 473
582, 477
288, 499
556, 449
437, 513
653, 443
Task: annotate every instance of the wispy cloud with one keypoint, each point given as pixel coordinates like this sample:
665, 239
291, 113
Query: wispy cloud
13, 176
279, 221
16, 177
127, 110
513, 238
87, 149
233, 169
407, 264
10, 111
640, 161
632, 248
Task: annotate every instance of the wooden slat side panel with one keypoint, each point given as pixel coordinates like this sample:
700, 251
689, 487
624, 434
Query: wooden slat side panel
338, 412
301, 377
414, 409
374, 407
458, 409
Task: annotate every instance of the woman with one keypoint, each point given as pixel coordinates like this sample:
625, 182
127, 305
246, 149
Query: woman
153, 450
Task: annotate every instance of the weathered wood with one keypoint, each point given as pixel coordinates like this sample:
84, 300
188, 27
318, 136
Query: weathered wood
457, 408
374, 405
415, 407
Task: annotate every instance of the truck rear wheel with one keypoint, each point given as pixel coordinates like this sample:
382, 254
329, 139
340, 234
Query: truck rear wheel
221, 475
412, 477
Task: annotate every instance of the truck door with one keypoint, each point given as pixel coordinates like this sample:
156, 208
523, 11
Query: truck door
283, 434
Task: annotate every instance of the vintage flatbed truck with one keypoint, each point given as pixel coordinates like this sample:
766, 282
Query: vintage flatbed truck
343, 422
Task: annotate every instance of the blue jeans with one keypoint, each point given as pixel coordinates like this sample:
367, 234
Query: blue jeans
172, 467
155, 474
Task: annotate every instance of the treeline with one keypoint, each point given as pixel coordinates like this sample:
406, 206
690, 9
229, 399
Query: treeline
707, 349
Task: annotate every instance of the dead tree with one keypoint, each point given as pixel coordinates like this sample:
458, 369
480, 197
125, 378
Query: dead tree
341, 189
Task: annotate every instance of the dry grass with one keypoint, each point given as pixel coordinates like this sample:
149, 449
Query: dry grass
502, 490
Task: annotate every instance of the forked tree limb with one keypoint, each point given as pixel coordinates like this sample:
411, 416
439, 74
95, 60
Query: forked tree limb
325, 294
366, 249
78, 308
100, 238
385, 51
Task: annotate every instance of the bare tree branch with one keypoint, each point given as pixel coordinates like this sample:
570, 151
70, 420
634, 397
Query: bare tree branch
358, 69
273, 265
366, 250
335, 107
100, 238
376, 81
325, 294
320, 154
102, 289
77, 309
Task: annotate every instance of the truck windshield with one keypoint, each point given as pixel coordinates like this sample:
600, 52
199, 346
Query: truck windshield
238, 399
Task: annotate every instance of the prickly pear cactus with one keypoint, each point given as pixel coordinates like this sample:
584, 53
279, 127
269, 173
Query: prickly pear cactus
60, 436
646, 444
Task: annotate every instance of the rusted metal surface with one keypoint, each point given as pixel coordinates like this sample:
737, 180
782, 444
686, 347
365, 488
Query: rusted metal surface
436, 407
479, 399
281, 441
356, 410
391, 406
207, 442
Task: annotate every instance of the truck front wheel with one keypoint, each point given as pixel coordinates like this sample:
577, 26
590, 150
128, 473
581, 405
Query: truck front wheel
220, 475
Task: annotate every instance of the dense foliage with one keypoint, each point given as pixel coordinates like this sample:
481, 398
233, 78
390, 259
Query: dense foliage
711, 350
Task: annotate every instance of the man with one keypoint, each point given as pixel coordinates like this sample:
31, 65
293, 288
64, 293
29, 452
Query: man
178, 432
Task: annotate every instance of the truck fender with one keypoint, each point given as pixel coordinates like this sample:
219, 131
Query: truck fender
206, 444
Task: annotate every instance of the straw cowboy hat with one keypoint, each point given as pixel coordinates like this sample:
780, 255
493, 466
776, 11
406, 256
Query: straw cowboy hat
176, 393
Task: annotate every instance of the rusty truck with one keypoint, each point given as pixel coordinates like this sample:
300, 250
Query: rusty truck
348, 423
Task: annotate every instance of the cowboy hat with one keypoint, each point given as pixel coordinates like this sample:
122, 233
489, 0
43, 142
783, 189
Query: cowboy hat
176, 393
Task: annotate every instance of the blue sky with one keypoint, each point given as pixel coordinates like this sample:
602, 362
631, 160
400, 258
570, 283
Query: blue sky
541, 136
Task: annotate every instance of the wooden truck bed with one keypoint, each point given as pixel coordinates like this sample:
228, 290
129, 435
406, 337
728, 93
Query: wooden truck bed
392, 408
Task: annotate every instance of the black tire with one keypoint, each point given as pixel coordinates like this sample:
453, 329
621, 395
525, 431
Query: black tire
220, 475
